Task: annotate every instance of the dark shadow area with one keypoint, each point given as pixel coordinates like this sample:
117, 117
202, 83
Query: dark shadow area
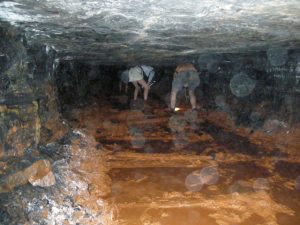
238, 144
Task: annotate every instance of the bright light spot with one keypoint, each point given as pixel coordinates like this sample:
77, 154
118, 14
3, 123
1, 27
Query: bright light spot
177, 109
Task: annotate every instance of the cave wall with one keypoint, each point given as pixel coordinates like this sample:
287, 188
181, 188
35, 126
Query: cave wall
252, 88
80, 83
28, 108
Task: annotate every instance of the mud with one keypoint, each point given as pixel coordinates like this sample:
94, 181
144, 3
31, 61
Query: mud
149, 159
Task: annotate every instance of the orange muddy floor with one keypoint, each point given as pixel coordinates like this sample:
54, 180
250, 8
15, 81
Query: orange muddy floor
190, 169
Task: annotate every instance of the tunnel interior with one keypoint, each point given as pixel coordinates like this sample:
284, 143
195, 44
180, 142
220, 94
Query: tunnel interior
76, 148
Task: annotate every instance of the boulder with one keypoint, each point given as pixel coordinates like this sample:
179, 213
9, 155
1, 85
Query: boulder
38, 174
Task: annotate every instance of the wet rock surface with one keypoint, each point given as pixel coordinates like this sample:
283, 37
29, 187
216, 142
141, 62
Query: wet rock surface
156, 31
75, 197
38, 174
28, 108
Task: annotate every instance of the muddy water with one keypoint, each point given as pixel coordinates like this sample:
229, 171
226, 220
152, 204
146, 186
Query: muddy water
162, 196
168, 170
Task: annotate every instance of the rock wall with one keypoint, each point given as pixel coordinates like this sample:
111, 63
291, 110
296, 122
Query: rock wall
28, 109
252, 88
80, 83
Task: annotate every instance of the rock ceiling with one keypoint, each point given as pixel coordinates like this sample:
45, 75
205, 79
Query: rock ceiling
121, 31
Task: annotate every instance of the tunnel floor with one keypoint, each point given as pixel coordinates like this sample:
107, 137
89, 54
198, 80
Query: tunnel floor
168, 169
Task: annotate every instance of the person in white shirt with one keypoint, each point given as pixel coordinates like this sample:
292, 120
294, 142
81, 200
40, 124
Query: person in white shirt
141, 75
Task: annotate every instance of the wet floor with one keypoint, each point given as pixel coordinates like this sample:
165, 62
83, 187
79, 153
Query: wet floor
168, 169
167, 193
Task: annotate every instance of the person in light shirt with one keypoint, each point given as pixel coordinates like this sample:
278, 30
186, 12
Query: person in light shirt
144, 76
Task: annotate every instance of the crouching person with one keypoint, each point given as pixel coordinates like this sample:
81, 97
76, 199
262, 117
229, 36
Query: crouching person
137, 76
185, 75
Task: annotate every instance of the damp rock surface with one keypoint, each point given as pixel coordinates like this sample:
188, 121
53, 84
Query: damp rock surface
35, 173
74, 197
157, 31
28, 104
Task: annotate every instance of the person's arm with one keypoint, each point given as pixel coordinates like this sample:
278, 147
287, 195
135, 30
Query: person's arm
193, 68
151, 76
